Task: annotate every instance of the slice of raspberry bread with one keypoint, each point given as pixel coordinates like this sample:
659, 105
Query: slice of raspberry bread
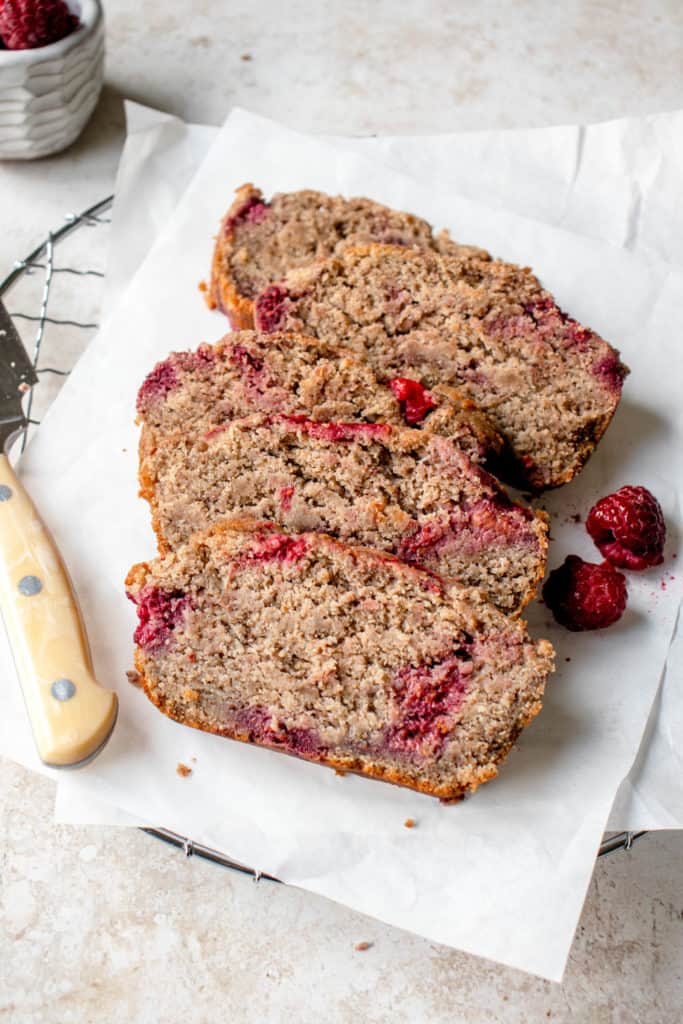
191, 392
404, 492
413, 494
549, 385
260, 241
335, 654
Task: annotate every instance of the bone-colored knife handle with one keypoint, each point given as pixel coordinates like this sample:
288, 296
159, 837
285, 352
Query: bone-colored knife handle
71, 715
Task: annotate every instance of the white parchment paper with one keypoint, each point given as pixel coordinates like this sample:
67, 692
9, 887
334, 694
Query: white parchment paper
618, 181
504, 874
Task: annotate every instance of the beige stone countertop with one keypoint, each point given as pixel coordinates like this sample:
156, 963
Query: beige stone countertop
102, 924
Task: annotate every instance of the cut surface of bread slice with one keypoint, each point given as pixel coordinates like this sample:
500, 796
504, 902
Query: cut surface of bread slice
335, 654
406, 492
549, 385
247, 372
260, 241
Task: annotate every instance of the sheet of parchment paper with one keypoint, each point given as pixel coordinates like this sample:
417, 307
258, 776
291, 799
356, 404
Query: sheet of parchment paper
504, 874
618, 181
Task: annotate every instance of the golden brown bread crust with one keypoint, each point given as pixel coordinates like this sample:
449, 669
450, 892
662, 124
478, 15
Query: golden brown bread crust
583, 453
533, 588
222, 293
146, 492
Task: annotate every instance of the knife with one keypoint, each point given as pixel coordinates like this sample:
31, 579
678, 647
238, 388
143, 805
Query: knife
71, 715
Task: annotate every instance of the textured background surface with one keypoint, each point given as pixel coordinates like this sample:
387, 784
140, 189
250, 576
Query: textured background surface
109, 925
99, 924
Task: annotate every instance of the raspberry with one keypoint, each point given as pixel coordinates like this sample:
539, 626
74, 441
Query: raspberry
159, 612
28, 24
628, 528
157, 384
611, 372
269, 308
582, 595
414, 398
253, 212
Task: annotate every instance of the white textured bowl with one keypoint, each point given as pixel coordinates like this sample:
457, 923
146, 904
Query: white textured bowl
48, 94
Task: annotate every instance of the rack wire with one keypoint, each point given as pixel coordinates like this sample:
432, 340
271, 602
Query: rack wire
56, 342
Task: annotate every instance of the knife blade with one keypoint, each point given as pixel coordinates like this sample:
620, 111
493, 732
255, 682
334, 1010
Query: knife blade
16, 377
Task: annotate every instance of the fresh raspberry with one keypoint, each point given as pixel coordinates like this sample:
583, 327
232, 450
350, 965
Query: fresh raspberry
582, 595
628, 528
28, 24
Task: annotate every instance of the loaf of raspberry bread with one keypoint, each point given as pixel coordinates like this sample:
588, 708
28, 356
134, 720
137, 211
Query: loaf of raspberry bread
335, 654
549, 385
407, 492
260, 241
191, 392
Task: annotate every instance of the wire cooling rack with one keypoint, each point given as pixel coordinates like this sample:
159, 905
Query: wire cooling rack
56, 324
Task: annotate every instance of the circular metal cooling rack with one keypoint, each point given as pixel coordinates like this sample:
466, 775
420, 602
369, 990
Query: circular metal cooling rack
56, 325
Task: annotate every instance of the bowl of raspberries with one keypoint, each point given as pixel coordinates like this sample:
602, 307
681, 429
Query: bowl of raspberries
51, 72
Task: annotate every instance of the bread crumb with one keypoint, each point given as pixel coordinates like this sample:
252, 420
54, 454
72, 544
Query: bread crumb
409, 823
203, 286
191, 694
183, 770
340, 772
134, 678
362, 946
245, 56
